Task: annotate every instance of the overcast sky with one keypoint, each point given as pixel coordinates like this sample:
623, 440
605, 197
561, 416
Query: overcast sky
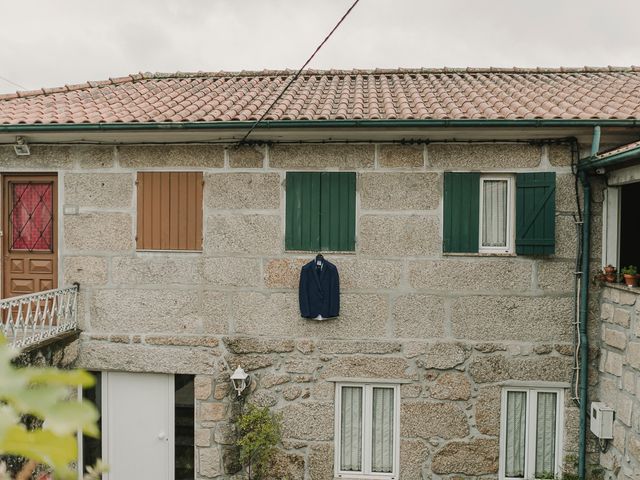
47, 43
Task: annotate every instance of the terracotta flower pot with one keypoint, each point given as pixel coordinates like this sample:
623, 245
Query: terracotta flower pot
609, 269
610, 277
630, 280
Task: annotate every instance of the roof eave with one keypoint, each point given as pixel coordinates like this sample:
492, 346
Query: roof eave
273, 124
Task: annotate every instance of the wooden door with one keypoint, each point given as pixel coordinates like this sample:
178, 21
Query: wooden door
29, 241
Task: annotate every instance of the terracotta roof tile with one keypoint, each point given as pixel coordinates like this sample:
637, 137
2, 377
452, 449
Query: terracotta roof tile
448, 93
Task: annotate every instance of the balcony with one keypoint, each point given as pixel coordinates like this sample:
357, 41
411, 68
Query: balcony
29, 321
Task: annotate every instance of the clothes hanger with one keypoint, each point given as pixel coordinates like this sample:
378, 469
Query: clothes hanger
319, 260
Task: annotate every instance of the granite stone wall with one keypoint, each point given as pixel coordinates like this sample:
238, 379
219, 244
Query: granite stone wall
451, 329
620, 379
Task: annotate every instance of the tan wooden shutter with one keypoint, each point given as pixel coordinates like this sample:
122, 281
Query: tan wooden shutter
169, 211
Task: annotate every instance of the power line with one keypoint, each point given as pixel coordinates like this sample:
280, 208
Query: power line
13, 83
293, 79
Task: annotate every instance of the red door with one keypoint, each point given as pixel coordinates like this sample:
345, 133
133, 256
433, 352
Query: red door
29, 241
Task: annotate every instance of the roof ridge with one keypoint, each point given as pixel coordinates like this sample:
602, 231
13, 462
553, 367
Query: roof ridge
286, 72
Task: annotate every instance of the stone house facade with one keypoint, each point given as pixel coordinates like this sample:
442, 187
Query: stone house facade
455, 337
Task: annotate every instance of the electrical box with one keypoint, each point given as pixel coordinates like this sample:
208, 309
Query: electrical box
602, 417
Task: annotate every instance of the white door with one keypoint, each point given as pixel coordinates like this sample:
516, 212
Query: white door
138, 426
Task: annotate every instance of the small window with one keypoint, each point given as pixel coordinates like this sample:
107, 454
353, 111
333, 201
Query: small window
321, 211
496, 218
367, 431
169, 211
487, 214
530, 433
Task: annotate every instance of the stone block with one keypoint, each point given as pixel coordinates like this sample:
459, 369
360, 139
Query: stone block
488, 411
209, 462
360, 366
475, 457
399, 191
86, 270
246, 156
258, 345
250, 361
443, 356
406, 235
615, 338
99, 190
451, 386
243, 234
212, 412
203, 437
621, 317
202, 387
231, 272
401, 156
491, 318
428, 420
560, 155
110, 232
284, 465
284, 272
498, 368
230, 191
156, 270
556, 276
320, 461
181, 340
413, 455
224, 433
633, 355
483, 156
291, 392
41, 157
321, 156
346, 347
308, 421
613, 363
361, 316
272, 379
566, 237
215, 312
418, 316
97, 355
296, 365
93, 157
144, 311
156, 156
363, 274
606, 311
452, 274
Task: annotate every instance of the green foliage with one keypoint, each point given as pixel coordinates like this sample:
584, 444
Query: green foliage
43, 393
630, 270
258, 434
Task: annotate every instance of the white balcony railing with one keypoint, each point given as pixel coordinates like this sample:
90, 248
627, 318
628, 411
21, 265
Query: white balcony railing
31, 319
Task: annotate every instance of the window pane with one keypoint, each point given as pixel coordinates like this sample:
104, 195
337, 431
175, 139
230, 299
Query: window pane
32, 217
382, 431
515, 433
546, 434
494, 213
351, 434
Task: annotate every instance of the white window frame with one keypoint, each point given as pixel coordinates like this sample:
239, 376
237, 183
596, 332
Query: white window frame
530, 436
367, 404
510, 214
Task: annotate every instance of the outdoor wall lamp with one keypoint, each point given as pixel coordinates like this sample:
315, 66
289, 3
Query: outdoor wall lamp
21, 147
240, 380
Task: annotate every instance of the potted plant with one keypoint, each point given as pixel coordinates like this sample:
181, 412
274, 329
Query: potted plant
610, 273
630, 275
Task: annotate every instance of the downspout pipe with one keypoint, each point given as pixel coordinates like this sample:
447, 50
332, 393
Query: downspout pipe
582, 321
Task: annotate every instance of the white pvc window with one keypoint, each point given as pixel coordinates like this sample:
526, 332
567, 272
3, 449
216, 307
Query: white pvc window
496, 214
530, 433
367, 431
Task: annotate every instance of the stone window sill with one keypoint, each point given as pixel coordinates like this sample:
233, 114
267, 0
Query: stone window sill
479, 255
622, 287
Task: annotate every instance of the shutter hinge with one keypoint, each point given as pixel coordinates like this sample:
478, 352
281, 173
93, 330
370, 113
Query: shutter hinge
136, 182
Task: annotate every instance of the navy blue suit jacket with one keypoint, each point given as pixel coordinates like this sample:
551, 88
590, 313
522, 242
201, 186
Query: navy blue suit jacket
319, 290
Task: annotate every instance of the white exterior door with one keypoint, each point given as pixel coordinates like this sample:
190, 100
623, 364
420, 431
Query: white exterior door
138, 426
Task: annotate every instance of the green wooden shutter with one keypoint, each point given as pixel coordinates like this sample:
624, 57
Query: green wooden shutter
337, 211
461, 212
302, 230
535, 213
